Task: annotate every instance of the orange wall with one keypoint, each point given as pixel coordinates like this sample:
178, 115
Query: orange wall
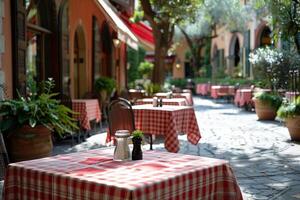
180, 59
81, 14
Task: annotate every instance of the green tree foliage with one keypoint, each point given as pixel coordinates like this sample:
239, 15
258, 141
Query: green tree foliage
285, 18
145, 69
134, 59
163, 16
199, 30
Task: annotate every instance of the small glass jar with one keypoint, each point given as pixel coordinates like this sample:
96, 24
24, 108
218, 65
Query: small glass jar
122, 151
155, 102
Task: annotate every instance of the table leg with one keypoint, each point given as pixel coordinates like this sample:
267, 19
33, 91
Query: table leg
151, 142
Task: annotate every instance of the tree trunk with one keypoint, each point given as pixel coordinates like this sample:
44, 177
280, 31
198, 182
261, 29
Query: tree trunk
159, 63
297, 41
159, 71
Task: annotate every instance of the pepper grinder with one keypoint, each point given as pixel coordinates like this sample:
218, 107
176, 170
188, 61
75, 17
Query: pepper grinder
160, 102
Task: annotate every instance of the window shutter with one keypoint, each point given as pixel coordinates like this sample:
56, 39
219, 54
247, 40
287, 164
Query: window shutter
19, 46
64, 48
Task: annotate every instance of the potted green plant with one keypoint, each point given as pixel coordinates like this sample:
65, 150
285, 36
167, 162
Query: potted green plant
30, 120
151, 89
137, 138
105, 86
270, 68
266, 105
145, 69
290, 112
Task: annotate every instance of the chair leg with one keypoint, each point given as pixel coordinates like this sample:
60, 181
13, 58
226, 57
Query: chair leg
78, 137
151, 142
72, 140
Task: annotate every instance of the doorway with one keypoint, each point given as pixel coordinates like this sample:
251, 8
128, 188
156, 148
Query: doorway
80, 79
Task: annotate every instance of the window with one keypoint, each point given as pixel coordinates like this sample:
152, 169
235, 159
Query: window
64, 48
35, 39
265, 39
96, 49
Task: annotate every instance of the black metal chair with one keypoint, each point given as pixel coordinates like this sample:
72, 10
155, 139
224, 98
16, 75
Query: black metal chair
4, 159
120, 116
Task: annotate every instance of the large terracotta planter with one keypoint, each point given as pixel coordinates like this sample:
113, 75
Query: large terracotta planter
264, 110
293, 125
28, 143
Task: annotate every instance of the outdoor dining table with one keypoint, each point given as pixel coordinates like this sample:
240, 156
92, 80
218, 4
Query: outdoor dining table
218, 91
165, 101
243, 97
87, 109
291, 95
93, 175
168, 121
203, 88
187, 95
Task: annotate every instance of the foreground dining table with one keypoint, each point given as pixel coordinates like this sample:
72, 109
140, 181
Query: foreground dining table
169, 121
94, 175
87, 109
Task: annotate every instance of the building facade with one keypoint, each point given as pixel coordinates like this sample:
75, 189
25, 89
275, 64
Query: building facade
229, 54
230, 50
72, 41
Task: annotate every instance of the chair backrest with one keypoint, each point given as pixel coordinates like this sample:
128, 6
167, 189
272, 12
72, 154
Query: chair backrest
91, 95
4, 160
66, 100
120, 116
136, 94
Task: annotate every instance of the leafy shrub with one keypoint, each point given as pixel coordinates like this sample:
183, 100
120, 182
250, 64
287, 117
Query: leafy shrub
145, 68
39, 108
105, 83
202, 80
152, 88
271, 66
270, 98
180, 83
137, 134
289, 109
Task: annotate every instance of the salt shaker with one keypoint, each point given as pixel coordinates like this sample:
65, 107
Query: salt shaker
122, 151
155, 102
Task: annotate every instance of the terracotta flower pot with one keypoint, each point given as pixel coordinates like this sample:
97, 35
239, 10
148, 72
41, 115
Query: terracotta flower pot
293, 125
264, 110
28, 143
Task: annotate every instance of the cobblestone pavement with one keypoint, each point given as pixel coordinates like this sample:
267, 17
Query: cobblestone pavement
265, 161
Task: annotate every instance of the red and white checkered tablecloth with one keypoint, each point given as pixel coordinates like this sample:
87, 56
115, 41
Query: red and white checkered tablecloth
291, 96
88, 110
221, 90
168, 121
170, 102
243, 97
187, 95
93, 175
203, 88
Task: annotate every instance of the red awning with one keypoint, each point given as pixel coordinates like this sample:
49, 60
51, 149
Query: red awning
124, 32
142, 31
